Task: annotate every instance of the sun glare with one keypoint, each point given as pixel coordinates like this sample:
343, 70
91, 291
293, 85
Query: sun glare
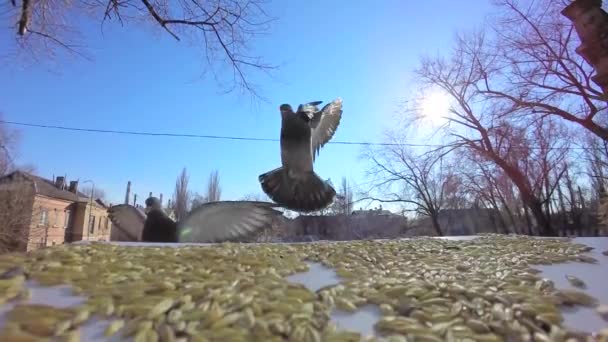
435, 107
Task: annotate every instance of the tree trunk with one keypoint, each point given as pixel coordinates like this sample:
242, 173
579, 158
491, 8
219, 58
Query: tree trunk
528, 220
543, 223
527, 196
562, 205
436, 225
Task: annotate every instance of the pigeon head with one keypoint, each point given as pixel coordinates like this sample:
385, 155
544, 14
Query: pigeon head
285, 108
152, 203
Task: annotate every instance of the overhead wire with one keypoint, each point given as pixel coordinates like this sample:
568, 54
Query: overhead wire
226, 137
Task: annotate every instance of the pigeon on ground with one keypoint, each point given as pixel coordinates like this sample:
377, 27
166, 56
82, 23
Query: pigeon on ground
295, 185
209, 222
159, 227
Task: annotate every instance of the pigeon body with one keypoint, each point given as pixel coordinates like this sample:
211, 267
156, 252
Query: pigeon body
158, 226
210, 222
295, 185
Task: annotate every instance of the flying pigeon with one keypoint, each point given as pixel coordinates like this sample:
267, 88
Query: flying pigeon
295, 185
210, 222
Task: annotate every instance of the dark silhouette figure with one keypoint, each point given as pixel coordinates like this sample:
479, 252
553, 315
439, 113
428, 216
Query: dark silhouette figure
158, 226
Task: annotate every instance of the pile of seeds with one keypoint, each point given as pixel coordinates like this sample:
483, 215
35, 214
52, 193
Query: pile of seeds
427, 290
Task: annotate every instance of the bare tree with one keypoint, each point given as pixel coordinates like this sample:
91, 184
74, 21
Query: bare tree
97, 193
224, 28
9, 143
22, 221
537, 70
181, 195
255, 196
400, 176
487, 126
596, 155
344, 199
214, 191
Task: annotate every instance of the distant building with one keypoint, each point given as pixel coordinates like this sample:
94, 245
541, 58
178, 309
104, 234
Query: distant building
374, 211
51, 213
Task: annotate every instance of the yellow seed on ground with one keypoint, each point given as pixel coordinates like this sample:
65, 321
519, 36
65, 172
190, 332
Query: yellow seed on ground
113, 327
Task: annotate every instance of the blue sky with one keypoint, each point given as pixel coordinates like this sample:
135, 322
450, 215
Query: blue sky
140, 81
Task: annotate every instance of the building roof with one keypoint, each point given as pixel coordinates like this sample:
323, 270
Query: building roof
45, 187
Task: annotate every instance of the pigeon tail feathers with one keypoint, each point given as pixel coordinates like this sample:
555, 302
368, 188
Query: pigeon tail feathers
304, 194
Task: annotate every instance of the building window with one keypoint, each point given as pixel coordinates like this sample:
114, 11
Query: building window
92, 225
67, 218
44, 217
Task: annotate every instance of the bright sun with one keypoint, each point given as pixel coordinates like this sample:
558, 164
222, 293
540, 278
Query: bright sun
435, 107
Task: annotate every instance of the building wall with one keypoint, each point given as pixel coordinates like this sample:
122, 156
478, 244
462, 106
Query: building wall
98, 216
102, 224
80, 221
50, 222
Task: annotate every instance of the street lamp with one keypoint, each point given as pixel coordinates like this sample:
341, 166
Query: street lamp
90, 206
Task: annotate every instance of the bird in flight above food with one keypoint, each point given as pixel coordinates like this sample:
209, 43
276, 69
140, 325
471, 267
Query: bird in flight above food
295, 185
210, 222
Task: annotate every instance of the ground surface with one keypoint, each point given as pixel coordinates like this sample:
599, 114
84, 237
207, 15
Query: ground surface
492, 288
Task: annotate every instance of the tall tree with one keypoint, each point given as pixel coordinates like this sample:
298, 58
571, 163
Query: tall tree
9, 142
97, 192
344, 198
214, 190
536, 70
488, 127
401, 176
9, 145
181, 195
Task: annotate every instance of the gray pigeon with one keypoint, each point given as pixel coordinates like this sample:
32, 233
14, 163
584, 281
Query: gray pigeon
210, 222
225, 220
295, 185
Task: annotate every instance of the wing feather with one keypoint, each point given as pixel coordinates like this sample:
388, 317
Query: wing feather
224, 220
324, 125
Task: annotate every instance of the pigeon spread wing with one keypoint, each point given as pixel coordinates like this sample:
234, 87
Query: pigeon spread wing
128, 222
225, 220
324, 125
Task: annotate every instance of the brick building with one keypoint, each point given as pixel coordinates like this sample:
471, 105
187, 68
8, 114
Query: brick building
42, 212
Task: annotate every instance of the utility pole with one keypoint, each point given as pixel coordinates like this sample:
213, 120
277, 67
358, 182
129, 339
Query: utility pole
591, 24
90, 207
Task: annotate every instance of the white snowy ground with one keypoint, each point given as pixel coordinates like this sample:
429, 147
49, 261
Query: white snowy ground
583, 319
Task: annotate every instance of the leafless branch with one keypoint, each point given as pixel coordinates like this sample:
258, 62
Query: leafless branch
224, 26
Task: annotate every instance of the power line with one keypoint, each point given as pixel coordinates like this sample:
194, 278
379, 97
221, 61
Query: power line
225, 137
204, 136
